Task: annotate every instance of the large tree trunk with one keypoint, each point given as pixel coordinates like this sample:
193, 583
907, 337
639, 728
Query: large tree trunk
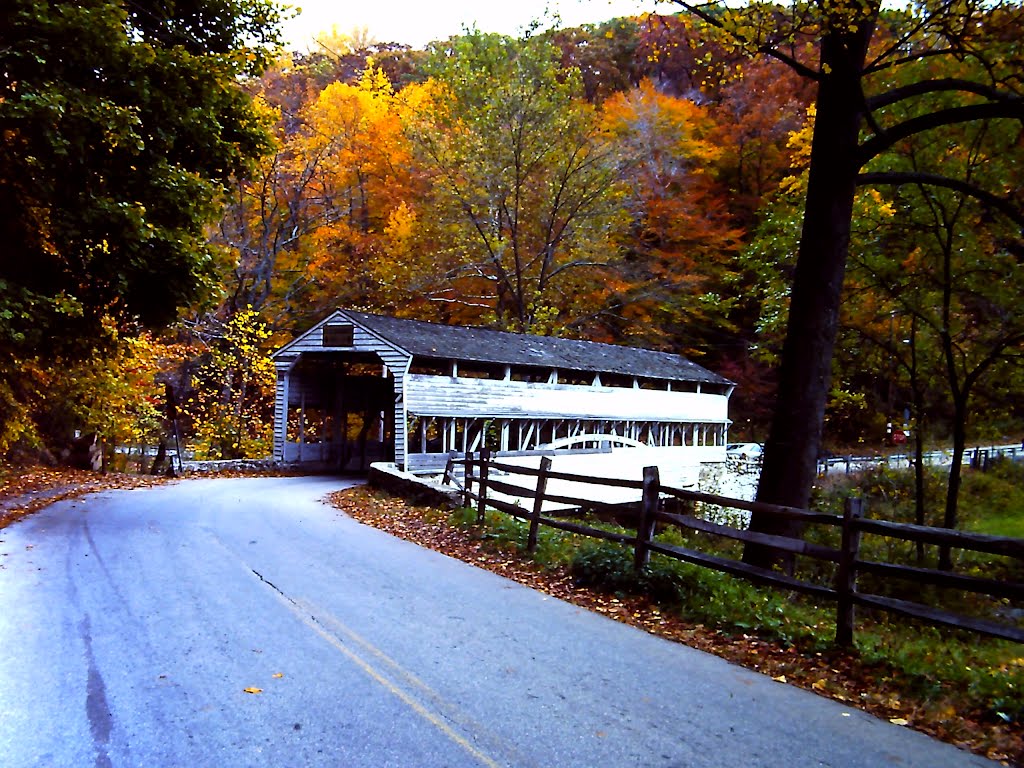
791, 452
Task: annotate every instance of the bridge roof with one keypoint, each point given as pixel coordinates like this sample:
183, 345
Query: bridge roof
487, 346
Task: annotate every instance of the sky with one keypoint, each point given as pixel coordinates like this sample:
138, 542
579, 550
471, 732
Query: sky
417, 22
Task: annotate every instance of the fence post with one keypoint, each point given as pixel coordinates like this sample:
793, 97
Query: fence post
481, 506
538, 501
648, 510
449, 469
467, 489
846, 579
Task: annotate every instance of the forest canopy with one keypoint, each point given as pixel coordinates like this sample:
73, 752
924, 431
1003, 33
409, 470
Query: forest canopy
637, 181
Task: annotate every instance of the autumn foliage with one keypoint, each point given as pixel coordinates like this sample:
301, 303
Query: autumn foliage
636, 181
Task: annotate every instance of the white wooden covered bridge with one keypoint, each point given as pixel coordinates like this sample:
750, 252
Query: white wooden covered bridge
358, 388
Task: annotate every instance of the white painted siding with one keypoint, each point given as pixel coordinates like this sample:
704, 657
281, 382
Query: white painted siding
446, 396
461, 400
281, 409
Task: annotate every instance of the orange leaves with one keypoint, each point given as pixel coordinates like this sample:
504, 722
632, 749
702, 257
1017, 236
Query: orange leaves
666, 125
357, 131
362, 180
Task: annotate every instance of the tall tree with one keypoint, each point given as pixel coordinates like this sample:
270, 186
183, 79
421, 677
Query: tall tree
524, 186
121, 122
835, 45
954, 277
680, 247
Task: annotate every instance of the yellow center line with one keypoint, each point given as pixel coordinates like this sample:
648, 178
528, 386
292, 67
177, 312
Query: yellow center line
315, 619
300, 611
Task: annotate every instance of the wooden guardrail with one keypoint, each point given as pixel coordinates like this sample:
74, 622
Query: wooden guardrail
481, 479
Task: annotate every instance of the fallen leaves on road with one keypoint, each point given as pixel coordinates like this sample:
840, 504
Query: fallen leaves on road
836, 673
252, 690
27, 489
24, 490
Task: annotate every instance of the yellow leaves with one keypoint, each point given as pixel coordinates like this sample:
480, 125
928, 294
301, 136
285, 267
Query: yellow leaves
800, 140
265, 110
799, 143
899, 721
400, 230
336, 43
376, 82
659, 121
255, 690
880, 205
231, 412
357, 128
67, 305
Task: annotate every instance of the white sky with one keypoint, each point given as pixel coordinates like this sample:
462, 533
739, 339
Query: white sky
417, 23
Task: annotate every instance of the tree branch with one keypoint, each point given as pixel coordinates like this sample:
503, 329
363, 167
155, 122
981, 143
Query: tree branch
896, 178
1012, 108
935, 86
767, 49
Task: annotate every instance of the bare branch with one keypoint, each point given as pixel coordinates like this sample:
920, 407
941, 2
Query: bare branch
768, 48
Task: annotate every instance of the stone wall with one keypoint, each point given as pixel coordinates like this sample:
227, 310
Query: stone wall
231, 465
412, 488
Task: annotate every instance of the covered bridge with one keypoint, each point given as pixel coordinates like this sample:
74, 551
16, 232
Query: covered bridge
358, 388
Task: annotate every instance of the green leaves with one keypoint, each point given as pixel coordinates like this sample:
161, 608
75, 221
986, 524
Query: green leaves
525, 186
119, 129
120, 123
232, 401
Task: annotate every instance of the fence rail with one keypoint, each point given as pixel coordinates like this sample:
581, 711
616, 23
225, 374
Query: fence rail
651, 509
977, 458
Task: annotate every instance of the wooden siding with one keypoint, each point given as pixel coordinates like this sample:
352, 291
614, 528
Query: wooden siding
281, 409
364, 341
655, 416
472, 398
303, 389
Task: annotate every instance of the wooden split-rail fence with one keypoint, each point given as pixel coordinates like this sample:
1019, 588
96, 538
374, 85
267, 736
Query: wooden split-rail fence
483, 473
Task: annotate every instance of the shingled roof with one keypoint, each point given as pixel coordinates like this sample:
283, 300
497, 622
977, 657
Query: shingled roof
483, 345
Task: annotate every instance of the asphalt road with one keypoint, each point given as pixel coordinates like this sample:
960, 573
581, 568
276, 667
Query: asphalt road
132, 623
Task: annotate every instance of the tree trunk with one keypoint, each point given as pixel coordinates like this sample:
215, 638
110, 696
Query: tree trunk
161, 458
919, 488
791, 452
949, 518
